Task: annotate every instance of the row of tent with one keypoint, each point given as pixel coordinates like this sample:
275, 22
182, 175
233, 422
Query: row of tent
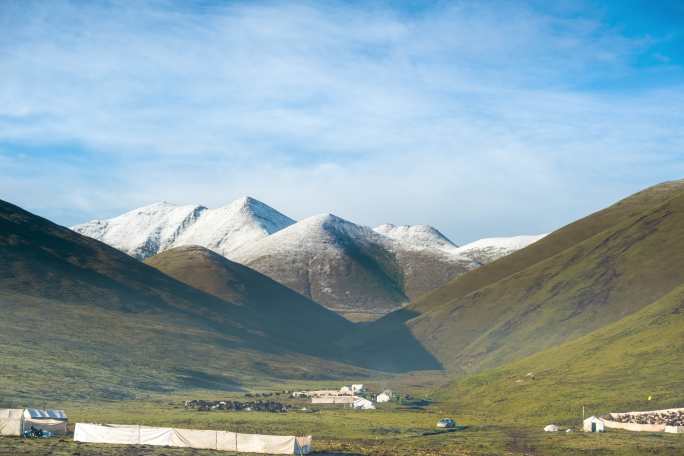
191, 438
14, 422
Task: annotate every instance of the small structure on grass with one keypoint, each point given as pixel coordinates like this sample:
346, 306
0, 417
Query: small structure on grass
14, 422
593, 424
11, 422
345, 400
551, 428
385, 396
361, 403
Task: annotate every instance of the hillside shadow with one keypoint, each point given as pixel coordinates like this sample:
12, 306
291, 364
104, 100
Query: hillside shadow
388, 345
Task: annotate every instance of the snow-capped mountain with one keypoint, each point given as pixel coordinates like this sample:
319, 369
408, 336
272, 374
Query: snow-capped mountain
348, 268
489, 249
352, 269
416, 236
158, 227
482, 251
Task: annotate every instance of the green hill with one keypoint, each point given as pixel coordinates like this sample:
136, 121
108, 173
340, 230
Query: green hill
81, 319
615, 368
286, 312
584, 276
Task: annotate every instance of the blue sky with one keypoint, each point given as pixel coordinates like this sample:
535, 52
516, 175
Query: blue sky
480, 118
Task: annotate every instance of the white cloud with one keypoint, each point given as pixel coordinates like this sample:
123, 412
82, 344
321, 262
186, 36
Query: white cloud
472, 118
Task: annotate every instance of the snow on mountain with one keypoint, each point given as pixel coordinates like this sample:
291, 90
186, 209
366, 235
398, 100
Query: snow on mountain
349, 268
152, 229
416, 236
144, 231
489, 249
355, 270
228, 228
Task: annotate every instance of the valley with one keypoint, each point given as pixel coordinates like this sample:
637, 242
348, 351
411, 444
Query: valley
587, 317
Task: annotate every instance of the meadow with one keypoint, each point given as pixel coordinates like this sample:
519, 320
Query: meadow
393, 429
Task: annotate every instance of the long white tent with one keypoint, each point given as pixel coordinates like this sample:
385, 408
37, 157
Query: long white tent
191, 438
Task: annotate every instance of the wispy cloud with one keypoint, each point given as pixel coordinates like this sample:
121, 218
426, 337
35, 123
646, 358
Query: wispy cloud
480, 118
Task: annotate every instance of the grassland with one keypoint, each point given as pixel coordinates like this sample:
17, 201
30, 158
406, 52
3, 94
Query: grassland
616, 368
388, 431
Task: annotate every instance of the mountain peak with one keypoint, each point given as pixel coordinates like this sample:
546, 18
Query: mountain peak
162, 225
245, 201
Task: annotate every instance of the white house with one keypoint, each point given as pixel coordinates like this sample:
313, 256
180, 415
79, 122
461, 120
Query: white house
593, 424
385, 396
358, 388
363, 404
346, 391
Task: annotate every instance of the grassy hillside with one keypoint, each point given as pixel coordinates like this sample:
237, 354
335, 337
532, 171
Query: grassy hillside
286, 312
556, 242
615, 368
586, 275
79, 318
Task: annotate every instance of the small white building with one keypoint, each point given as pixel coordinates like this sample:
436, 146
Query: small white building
346, 391
358, 388
361, 403
385, 396
593, 424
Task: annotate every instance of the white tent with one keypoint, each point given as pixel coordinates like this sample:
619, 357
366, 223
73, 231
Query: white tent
383, 397
11, 421
192, 438
593, 424
363, 404
551, 428
334, 400
16, 421
346, 390
54, 421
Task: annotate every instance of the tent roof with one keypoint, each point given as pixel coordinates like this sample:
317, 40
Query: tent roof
50, 414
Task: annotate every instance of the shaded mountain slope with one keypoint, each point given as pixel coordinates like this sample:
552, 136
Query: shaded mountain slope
601, 269
615, 368
107, 325
349, 268
210, 272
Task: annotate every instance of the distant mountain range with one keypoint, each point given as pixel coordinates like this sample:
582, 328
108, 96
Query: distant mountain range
359, 272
